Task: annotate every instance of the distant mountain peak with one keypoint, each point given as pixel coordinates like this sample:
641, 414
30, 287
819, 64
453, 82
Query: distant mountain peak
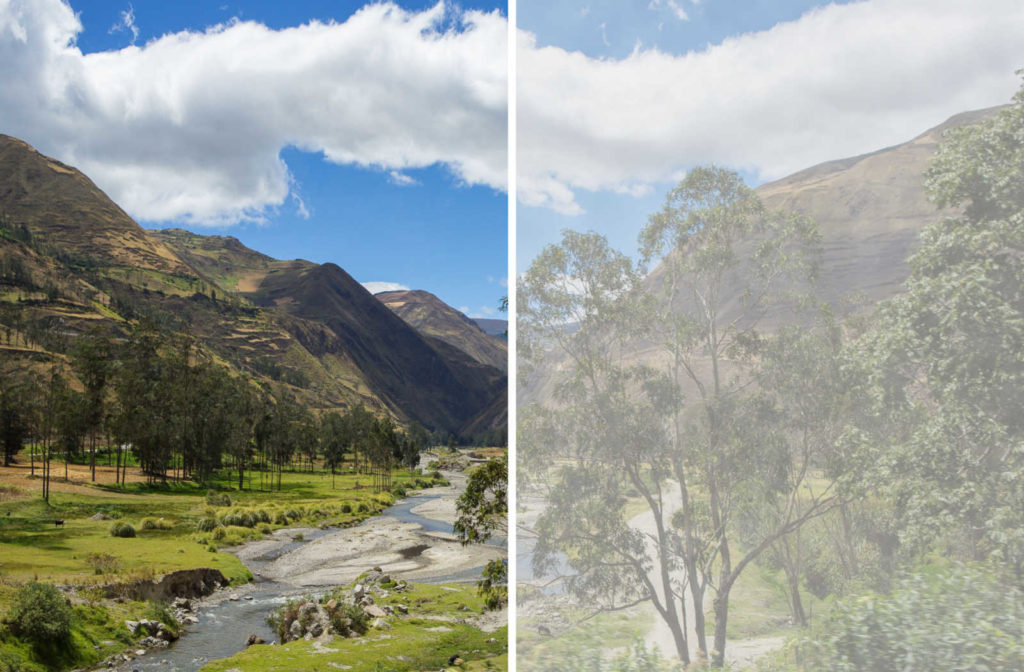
430, 315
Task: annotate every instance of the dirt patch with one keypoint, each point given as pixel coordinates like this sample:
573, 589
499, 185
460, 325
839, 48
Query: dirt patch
187, 583
79, 481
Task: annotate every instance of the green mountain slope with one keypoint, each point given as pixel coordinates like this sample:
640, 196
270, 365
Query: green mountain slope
71, 260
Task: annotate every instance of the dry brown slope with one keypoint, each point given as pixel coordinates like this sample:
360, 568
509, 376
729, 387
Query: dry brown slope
61, 204
431, 316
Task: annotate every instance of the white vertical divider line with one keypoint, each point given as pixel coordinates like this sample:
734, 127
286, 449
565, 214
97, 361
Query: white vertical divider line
511, 177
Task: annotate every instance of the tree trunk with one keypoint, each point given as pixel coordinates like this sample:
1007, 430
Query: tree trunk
697, 595
721, 621
793, 577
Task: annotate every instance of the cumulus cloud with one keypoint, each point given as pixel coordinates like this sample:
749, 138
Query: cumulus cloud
378, 287
839, 81
190, 126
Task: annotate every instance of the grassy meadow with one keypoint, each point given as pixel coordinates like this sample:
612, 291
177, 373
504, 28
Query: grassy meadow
178, 525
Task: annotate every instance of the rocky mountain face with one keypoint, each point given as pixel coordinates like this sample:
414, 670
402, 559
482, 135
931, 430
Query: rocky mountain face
72, 260
431, 316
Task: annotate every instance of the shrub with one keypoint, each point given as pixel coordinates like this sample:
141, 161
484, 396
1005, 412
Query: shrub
154, 524
346, 508
103, 563
263, 516
41, 614
280, 518
264, 529
122, 529
347, 618
214, 498
219, 533
363, 508
955, 618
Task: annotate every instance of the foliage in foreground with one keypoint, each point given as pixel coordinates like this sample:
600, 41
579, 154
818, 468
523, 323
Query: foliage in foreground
956, 618
483, 509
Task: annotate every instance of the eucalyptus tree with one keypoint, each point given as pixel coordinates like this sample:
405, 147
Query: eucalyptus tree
942, 439
483, 510
92, 361
334, 439
145, 418
15, 414
660, 395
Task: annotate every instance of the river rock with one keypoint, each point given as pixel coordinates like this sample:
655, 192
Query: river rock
295, 630
381, 623
165, 633
373, 611
359, 591
401, 608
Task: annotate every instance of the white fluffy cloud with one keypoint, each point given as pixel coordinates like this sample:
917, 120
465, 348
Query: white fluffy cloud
190, 126
839, 81
378, 287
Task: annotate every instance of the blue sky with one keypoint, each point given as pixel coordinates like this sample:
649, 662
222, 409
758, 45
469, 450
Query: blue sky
302, 142
616, 100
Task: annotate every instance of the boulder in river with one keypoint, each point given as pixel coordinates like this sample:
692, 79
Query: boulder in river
253, 639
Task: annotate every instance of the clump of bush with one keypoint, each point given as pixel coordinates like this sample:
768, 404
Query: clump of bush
398, 491
346, 508
103, 563
280, 518
363, 508
122, 529
154, 524
41, 615
207, 525
214, 498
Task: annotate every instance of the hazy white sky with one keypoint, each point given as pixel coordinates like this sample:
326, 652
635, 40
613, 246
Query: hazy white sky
602, 130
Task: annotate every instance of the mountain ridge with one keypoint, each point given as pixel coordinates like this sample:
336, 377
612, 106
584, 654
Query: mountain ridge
71, 259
